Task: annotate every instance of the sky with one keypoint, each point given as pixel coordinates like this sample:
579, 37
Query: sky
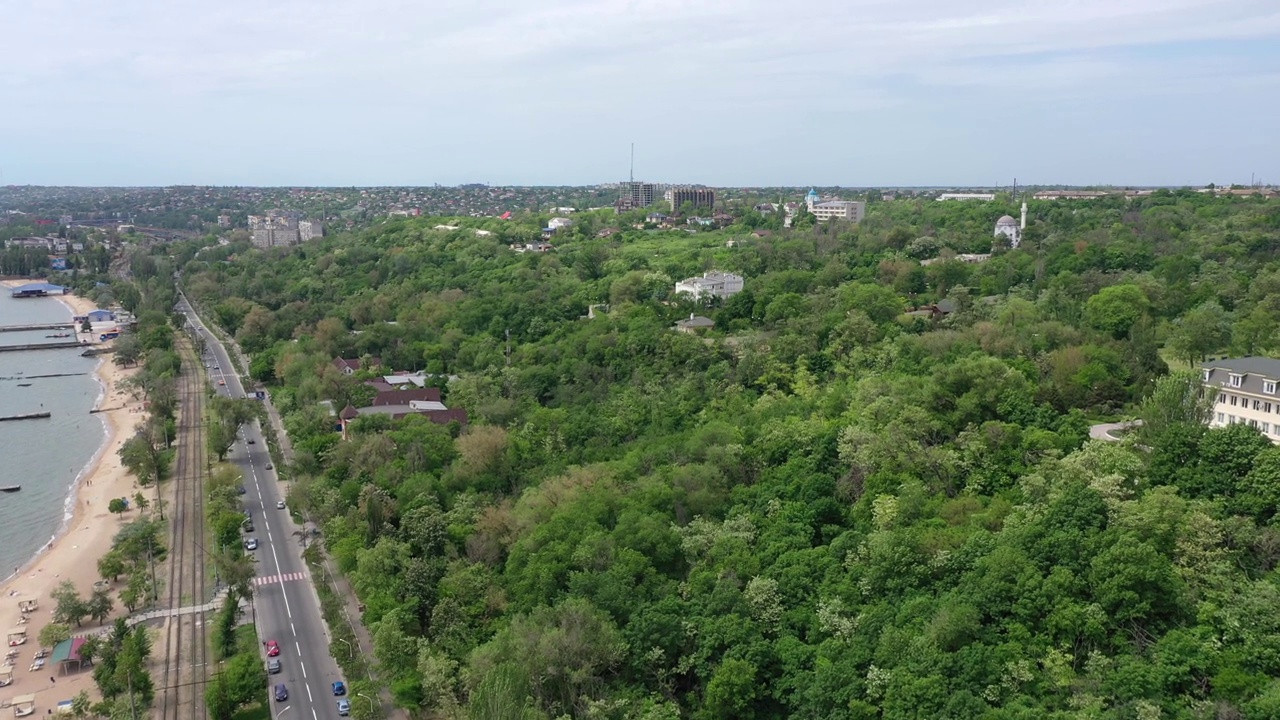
744, 93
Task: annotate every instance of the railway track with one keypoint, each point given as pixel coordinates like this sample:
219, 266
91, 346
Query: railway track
186, 651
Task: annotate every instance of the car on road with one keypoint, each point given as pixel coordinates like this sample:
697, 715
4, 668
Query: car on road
279, 504
344, 707
282, 693
251, 441
273, 648
270, 466
339, 688
251, 544
273, 666
222, 382
241, 490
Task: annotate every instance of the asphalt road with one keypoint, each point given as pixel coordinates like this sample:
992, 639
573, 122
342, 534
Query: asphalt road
285, 606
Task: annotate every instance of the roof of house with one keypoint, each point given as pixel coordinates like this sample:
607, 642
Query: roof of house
349, 413
711, 278
342, 363
443, 417
1254, 369
696, 321
404, 397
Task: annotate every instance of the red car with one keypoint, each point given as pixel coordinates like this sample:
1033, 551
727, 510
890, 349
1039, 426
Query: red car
273, 649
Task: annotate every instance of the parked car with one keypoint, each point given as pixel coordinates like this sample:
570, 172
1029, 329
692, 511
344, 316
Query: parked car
282, 693
273, 666
279, 504
241, 490
339, 688
273, 648
251, 544
344, 707
251, 441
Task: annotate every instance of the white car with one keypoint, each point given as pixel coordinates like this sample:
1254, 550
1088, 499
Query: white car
251, 544
279, 504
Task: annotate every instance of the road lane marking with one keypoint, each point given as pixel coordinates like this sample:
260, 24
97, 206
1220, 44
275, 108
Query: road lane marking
304, 669
308, 687
293, 629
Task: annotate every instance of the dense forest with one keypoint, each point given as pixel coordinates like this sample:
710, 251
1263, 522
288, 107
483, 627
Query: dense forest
824, 507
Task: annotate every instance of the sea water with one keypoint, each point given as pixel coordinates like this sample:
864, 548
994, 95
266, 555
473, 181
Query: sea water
47, 457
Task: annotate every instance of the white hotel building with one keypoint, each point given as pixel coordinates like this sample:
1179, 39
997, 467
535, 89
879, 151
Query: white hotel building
1246, 393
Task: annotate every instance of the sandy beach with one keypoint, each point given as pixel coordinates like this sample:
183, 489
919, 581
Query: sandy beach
74, 553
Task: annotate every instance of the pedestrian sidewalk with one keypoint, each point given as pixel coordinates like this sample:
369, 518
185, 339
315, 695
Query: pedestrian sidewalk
211, 606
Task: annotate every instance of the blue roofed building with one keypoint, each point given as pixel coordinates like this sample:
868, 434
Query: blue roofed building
37, 290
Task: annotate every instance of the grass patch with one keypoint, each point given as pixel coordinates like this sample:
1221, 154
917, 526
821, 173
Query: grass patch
247, 639
259, 711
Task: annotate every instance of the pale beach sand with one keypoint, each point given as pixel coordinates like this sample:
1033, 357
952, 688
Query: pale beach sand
74, 553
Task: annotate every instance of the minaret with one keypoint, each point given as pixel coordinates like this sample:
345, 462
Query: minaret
1023, 226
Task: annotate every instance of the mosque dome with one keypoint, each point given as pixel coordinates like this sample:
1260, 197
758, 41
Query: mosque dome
1006, 220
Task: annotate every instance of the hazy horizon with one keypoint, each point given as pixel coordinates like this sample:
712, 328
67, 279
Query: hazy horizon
853, 94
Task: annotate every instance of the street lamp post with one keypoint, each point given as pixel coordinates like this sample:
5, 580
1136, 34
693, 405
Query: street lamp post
350, 652
372, 705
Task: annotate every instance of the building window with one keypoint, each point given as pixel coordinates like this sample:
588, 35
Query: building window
1253, 423
1233, 401
1236, 380
1266, 407
1255, 405
1219, 417
1266, 428
1269, 387
1206, 375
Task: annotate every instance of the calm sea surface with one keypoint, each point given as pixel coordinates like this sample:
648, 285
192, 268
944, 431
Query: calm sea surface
45, 457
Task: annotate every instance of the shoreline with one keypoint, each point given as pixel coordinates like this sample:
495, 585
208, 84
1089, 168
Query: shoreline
84, 535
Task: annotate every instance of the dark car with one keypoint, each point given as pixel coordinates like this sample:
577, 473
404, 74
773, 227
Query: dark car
273, 666
282, 693
241, 490
339, 688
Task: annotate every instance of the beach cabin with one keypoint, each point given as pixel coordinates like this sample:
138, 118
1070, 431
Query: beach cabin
24, 705
67, 653
17, 636
6, 676
28, 606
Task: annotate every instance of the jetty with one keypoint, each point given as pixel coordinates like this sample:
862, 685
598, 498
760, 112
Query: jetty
42, 346
47, 326
26, 416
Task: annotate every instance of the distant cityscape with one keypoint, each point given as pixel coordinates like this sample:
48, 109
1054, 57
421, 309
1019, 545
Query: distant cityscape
199, 208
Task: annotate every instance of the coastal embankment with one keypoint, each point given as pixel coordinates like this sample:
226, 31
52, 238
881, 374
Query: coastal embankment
84, 537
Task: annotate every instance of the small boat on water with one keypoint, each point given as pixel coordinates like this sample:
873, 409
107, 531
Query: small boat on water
10, 488
24, 384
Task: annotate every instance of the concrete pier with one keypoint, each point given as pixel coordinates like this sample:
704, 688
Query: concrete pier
21, 328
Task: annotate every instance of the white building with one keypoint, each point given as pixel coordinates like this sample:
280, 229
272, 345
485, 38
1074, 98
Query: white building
1010, 228
1246, 393
968, 196
310, 230
712, 284
824, 210
558, 222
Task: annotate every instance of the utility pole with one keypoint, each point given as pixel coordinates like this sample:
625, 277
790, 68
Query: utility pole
508, 347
